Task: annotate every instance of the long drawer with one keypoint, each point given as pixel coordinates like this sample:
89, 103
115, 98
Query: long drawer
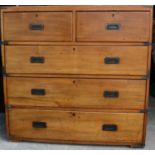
75, 126
38, 26
76, 93
108, 60
113, 26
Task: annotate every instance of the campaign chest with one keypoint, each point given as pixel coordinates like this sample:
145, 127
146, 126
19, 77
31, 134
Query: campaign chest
77, 74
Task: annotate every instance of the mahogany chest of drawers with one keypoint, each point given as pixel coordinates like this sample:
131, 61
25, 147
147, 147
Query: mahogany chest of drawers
77, 74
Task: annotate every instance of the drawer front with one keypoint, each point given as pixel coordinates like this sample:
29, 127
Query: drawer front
113, 26
76, 126
77, 93
108, 60
38, 26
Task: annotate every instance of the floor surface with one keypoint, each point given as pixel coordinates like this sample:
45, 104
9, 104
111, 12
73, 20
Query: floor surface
5, 144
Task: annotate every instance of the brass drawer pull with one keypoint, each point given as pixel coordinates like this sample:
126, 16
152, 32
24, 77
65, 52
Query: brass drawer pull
37, 59
112, 60
111, 94
113, 26
109, 127
38, 91
37, 124
38, 27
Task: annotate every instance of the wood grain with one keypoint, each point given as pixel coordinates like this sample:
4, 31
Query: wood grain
78, 76
77, 59
75, 126
57, 26
144, 8
134, 27
74, 44
77, 93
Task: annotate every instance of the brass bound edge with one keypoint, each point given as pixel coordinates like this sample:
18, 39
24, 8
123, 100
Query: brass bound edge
147, 76
8, 106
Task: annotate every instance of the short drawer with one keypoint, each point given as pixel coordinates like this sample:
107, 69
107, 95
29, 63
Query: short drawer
113, 26
93, 127
76, 93
38, 26
105, 60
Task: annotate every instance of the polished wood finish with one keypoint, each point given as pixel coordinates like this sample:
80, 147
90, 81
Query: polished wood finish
143, 8
2, 108
77, 59
76, 126
72, 75
77, 93
74, 43
133, 26
57, 26
84, 76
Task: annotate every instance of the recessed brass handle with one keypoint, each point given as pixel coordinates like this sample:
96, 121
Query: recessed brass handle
35, 59
38, 91
111, 94
109, 127
38, 124
37, 27
113, 26
112, 60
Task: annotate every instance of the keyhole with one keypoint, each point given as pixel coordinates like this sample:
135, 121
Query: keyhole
74, 81
36, 15
113, 15
73, 114
74, 48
